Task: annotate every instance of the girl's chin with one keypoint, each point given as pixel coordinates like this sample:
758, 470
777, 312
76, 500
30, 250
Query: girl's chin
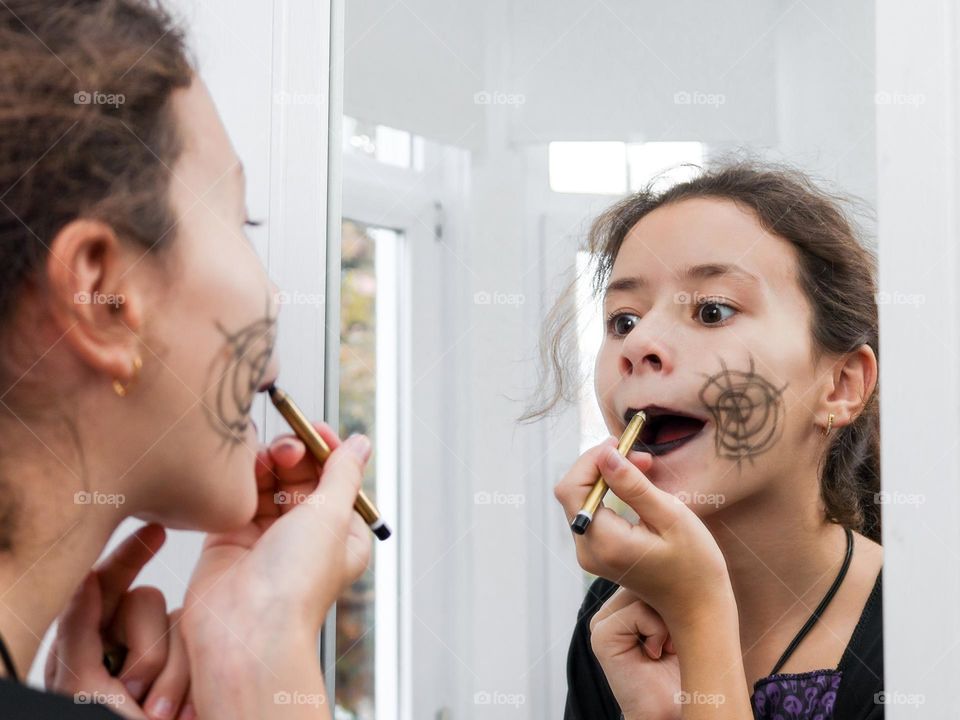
226, 510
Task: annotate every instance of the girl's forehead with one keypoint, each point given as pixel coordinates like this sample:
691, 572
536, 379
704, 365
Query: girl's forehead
702, 238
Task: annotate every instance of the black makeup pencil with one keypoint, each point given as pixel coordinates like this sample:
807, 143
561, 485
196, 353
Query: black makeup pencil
630, 434
321, 451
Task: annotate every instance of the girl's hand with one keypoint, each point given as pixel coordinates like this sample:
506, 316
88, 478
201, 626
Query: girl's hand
259, 595
104, 614
633, 645
668, 558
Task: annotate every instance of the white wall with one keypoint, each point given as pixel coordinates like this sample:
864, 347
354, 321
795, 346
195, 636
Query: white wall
918, 173
825, 93
402, 57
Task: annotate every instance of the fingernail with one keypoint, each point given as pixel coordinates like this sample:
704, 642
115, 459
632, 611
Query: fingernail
359, 445
614, 459
134, 687
161, 708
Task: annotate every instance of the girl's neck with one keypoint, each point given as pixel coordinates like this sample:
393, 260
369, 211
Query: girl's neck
782, 556
56, 540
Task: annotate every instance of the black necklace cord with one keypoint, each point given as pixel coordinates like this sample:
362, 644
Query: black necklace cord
8, 661
821, 607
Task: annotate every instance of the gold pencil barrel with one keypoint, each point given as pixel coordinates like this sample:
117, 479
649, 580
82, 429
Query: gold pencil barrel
305, 430
585, 516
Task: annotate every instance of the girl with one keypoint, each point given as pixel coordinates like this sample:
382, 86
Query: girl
137, 323
742, 318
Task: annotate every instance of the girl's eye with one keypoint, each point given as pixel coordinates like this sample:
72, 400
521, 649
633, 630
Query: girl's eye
253, 223
621, 324
710, 313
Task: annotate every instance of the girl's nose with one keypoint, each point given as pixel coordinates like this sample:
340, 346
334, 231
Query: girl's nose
644, 350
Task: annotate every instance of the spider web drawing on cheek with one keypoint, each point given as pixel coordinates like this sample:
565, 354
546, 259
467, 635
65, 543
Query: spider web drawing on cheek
747, 410
238, 370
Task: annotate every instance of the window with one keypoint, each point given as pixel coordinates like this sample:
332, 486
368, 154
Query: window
589, 336
663, 163
382, 143
588, 167
615, 168
367, 636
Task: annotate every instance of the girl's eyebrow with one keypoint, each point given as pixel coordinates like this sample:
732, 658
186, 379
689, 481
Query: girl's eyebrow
693, 272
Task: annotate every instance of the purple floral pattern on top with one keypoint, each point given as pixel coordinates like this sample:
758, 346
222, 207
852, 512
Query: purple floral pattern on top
796, 696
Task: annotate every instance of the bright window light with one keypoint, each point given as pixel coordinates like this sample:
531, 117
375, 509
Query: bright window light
393, 146
662, 163
384, 144
588, 167
589, 336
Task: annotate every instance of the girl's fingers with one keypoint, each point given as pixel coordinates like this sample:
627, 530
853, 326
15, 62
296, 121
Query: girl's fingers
640, 460
188, 712
293, 463
341, 478
118, 570
263, 469
615, 603
78, 647
654, 507
142, 626
359, 546
169, 691
574, 487
287, 451
617, 631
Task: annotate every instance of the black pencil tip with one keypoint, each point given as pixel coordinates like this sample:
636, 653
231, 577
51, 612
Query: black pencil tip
579, 524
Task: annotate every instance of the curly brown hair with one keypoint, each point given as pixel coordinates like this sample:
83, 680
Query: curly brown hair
87, 129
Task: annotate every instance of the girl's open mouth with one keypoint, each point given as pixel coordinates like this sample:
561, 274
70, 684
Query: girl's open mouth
665, 430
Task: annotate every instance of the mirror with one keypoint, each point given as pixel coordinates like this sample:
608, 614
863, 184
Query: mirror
480, 140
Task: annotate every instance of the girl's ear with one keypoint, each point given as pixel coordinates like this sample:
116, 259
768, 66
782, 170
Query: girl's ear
95, 308
854, 380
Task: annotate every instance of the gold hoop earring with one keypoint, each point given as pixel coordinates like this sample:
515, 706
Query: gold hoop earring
829, 424
119, 388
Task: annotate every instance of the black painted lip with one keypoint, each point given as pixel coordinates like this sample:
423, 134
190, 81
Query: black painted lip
655, 410
657, 449
267, 384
